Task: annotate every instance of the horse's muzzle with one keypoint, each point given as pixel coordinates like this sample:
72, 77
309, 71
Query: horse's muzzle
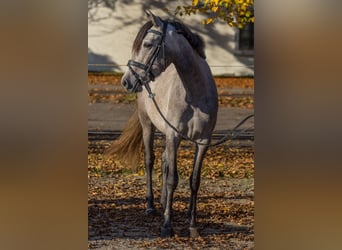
131, 88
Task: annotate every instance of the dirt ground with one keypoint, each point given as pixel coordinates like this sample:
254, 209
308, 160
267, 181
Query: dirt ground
117, 217
116, 194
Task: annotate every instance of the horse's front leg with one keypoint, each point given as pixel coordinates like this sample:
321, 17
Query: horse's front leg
164, 176
195, 180
148, 137
170, 183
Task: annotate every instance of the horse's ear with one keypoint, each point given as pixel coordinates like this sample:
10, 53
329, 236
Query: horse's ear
155, 19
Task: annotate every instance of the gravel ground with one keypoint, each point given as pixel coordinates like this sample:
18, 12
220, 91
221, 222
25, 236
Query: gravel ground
117, 217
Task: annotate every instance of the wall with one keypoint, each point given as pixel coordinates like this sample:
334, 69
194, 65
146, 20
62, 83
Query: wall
113, 25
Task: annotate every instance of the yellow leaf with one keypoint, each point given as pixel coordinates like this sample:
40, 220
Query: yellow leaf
209, 20
141, 172
214, 9
194, 2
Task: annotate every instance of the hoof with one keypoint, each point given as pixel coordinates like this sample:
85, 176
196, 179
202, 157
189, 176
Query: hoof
193, 232
167, 232
151, 212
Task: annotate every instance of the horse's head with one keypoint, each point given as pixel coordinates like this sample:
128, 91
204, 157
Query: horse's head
149, 54
157, 44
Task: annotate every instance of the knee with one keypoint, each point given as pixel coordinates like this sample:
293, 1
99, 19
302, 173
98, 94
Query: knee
194, 185
172, 181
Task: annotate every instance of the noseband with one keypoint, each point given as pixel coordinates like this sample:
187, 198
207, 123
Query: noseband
146, 76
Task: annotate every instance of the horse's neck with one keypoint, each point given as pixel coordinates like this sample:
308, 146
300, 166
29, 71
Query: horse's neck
192, 70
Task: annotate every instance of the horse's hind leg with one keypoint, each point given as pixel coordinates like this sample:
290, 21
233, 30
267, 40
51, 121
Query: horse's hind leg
148, 137
170, 181
194, 186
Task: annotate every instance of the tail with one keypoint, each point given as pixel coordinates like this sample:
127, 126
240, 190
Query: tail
128, 147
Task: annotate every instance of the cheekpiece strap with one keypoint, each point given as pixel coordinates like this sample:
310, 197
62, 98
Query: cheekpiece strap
155, 32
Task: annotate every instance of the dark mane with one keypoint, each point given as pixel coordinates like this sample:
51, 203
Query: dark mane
140, 36
194, 39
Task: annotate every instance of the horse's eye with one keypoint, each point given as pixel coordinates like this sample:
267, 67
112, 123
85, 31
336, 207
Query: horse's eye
148, 45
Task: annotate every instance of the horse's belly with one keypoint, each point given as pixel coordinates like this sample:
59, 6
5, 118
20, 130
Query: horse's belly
196, 125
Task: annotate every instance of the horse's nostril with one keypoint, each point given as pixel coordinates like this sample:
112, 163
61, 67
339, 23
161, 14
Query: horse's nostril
125, 83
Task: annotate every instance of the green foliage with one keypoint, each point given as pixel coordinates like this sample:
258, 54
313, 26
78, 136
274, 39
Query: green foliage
236, 13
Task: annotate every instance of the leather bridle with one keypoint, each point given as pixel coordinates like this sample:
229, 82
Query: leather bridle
146, 76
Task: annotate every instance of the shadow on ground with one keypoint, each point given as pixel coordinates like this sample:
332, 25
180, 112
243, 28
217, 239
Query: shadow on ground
125, 218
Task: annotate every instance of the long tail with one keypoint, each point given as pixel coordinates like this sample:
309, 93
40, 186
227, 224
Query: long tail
128, 147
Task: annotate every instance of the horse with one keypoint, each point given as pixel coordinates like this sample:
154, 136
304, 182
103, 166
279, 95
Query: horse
177, 95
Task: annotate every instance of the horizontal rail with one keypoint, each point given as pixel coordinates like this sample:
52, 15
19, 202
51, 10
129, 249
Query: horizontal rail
211, 66
114, 90
106, 135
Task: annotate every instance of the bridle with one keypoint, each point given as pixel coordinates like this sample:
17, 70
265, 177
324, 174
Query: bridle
146, 76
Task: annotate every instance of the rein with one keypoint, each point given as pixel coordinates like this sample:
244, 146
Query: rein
143, 80
227, 137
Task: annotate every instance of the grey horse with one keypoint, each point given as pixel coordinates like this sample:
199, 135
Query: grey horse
177, 95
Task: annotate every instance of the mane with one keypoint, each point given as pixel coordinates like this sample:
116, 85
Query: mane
194, 39
140, 36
